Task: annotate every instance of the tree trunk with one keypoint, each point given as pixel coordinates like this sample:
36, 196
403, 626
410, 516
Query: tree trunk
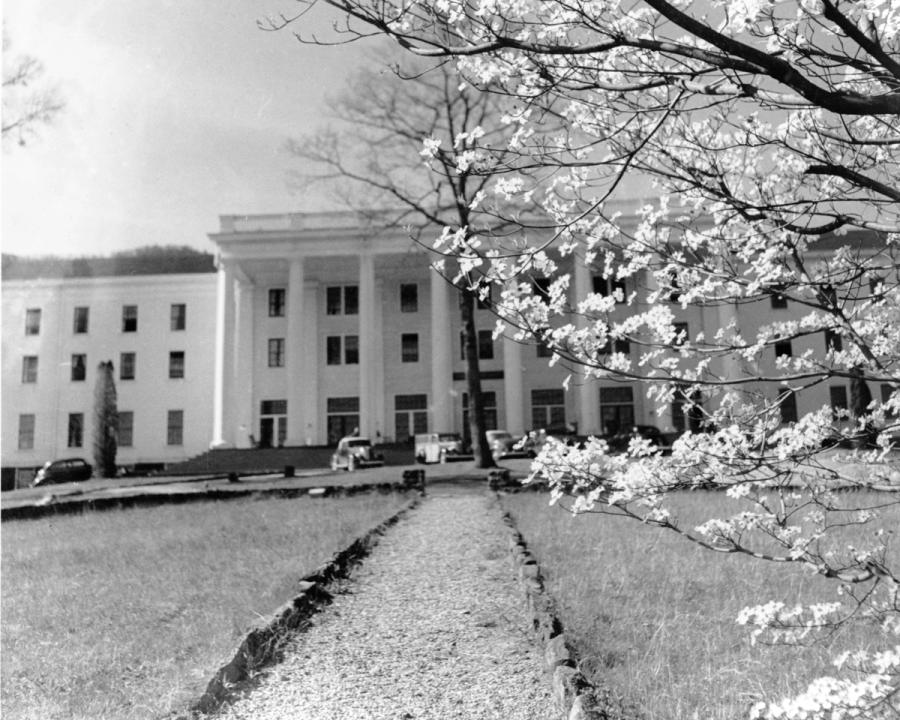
480, 449
860, 397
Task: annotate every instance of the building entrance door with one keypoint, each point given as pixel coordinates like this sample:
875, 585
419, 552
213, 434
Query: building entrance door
272, 423
616, 409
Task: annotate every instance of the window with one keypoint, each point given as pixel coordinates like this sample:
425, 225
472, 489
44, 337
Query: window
409, 347
827, 295
548, 408
342, 300
26, 432
176, 364
333, 350
409, 297
79, 368
542, 288
410, 416
543, 347
783, 349
674, 288
619, 346
76, 430
333, 345
80, 321
616, 409
351, 349
33, 321
126, 428
485, 344
608, 287
838, 396
833, 341
788, 407
127, 363
276, 352
129, 318
276, 302
687, 412
175, 427
29, 369
178, 316
778, 300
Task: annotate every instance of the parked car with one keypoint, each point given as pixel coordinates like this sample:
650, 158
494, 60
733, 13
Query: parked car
503, 445
619, 442
355, 452
61, 471
440, 447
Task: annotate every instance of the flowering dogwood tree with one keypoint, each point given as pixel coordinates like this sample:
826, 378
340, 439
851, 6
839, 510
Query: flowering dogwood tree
766, 136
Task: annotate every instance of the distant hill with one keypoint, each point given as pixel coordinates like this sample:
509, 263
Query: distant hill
150, 260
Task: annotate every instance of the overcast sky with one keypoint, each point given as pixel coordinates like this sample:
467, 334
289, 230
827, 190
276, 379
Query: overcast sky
176, 112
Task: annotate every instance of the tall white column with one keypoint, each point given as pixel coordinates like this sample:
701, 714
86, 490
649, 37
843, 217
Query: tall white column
244, 346
297, 378
588, 402
441, 355
727, 316
513, 385
367, 341
223, 372
310, 389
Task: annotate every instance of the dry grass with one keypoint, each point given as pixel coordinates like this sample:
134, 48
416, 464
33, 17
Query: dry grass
127, 614
654, 616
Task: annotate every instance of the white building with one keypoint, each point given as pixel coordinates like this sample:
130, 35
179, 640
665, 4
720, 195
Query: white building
310, 326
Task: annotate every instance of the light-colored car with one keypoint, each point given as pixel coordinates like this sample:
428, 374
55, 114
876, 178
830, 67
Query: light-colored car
439, 447
355, 452
503, 444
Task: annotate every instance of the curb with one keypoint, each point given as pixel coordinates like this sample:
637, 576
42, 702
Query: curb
263, 644
574, 696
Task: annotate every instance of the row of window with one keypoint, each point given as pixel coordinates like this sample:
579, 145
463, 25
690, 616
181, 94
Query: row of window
82, 314
124, 437
344, 300
127, 366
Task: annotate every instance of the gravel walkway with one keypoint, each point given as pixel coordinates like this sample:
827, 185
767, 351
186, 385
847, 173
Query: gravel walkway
432, 625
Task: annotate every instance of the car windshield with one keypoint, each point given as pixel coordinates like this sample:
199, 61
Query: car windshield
446, 436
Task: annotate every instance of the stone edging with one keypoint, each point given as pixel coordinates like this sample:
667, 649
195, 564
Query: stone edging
262, 644
574, 696
76, 504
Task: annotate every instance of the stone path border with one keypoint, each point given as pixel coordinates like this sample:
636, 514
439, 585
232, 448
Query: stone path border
262, 644
574, 696
71, 504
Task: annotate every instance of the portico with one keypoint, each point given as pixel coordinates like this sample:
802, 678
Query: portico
325, 291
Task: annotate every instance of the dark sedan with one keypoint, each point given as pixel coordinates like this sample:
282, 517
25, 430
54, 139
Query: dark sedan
61, 471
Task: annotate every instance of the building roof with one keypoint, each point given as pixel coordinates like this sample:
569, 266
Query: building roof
158, 261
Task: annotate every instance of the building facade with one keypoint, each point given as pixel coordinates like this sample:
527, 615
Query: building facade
308, 328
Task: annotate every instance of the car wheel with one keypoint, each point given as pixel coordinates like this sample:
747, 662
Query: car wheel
420, 459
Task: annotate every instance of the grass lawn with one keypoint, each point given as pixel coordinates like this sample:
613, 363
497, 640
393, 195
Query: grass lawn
127, 614
653, 616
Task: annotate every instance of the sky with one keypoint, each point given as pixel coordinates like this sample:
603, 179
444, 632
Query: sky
177, 111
